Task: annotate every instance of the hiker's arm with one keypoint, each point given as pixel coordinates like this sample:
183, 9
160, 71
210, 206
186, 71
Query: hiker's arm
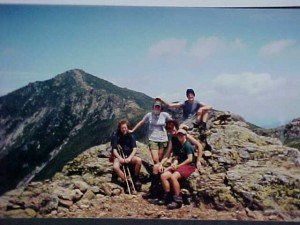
118, 156
187, 161
193, 141
174, 165
138, 125
170, 105
134, 150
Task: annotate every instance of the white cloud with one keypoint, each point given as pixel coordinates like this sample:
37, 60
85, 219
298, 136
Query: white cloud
202, 49
206, 47
260, 98
276, 47
168, 47
248, 83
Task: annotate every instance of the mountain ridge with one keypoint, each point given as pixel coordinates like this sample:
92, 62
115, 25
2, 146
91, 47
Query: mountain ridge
47, 123
47, 117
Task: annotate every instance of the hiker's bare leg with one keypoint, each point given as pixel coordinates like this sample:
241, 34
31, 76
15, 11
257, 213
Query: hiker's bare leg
203, 115
160, 153
154, 155
175, 183
165, 181
117, 169
137, 162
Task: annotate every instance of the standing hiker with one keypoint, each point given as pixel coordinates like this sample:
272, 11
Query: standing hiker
122, 140
157, 139
192, 110
157, 134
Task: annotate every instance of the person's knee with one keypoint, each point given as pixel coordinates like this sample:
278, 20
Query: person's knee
174, 177
116, 167
164, 176
136, 161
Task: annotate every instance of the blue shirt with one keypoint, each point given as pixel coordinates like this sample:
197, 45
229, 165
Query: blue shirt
190, 109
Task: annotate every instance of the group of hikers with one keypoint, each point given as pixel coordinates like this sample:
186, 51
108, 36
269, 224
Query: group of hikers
167, 140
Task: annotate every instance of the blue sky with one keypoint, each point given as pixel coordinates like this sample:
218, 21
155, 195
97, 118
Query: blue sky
242, 60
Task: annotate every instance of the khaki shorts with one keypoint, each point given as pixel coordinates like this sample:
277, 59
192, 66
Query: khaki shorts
154, 145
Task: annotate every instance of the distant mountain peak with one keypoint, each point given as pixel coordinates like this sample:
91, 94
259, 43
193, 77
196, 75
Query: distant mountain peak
50, 122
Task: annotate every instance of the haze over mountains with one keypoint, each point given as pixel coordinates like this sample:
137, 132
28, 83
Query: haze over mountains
46, 124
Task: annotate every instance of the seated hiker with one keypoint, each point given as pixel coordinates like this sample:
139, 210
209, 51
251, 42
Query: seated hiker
192, 110
172, 127
198, 146
182, 167
124, 141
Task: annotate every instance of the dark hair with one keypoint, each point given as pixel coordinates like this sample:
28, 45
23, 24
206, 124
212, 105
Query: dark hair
190, 91
121, 122
174, 122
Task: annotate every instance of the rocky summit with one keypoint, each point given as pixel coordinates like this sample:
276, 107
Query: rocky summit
244, 176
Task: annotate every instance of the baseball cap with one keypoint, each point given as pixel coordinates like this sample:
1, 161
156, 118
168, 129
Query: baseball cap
182, 131
157, 103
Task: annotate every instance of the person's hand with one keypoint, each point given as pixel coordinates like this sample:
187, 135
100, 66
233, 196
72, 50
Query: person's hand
130, 131
199, 166
174, 166
121, 160
127, 160
161, 168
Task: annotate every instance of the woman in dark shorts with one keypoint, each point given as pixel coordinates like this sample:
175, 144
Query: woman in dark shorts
183, 166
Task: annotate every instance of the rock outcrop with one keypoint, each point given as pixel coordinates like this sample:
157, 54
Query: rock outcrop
245, 176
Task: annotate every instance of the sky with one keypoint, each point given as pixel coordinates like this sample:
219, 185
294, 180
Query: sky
242, 60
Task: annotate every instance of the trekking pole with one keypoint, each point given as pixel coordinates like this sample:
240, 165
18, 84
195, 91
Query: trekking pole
123, 168
127, 168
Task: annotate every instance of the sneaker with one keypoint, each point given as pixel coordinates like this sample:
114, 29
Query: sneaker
148, 195
174, 205
166, 199
153, 200
137, 184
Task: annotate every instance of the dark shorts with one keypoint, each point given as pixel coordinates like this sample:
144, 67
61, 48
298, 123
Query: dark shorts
186, 170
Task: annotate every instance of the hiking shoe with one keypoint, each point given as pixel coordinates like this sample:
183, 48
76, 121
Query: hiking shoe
174, 205
148, 195
153, 200
138, 185
166, 199
162, 202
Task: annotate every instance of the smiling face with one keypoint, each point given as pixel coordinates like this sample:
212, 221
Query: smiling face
156, 109
124, 128
190, 97
181, 137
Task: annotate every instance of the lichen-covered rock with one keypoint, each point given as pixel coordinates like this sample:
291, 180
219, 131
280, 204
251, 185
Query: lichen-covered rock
245, 174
